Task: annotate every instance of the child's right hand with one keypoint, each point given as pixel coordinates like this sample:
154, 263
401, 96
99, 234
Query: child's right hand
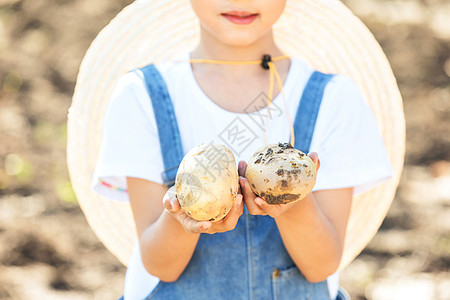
228, 223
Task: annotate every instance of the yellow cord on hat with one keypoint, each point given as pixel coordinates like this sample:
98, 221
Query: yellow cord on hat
273, 75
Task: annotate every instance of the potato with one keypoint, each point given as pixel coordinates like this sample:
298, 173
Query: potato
280, 173
207, 182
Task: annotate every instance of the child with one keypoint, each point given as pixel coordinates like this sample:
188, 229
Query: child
258, 251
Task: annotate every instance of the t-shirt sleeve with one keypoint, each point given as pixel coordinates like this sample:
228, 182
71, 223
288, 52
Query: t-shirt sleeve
348, 141
130, 142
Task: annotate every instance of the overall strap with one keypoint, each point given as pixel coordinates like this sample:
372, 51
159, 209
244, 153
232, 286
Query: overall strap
166, 121
305, 119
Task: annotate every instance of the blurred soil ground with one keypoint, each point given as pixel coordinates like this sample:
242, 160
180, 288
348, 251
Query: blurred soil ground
47, 250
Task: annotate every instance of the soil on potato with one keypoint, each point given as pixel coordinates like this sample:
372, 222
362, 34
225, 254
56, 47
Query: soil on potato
48, 251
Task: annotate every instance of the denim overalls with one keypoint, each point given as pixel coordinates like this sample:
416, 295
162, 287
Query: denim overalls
249, 262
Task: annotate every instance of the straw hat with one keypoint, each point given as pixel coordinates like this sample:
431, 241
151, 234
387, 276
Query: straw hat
322, 32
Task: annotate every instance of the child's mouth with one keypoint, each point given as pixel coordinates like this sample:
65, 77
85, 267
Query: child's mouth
240, 17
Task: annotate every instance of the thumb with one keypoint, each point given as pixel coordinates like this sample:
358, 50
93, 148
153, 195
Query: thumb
242, 167
170, 201
315, 158
246, 190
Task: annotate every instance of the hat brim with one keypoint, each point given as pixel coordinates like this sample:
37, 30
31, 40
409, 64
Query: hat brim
323, 32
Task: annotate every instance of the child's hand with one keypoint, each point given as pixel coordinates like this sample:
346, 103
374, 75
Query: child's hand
228, 223
258, 206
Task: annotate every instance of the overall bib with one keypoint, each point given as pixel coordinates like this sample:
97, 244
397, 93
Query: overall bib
249, 262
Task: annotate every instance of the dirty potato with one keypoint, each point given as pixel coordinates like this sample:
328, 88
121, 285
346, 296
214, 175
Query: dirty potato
280, 173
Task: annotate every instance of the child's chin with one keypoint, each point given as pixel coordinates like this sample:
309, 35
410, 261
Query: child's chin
239, 40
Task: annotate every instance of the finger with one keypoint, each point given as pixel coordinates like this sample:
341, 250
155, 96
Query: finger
237, 209
263, 205
176, 207
202, 226
172, 191
246, 189
170, 195
193, 226
239, 205
315, 158
253, 207
229, 222
273, 210
166, 204
172, 205
249, 197
242, 167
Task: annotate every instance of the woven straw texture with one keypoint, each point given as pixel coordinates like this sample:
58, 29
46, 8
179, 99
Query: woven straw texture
323, 32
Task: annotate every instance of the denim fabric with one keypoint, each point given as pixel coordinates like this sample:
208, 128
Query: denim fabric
251, 261
305, 119
169, 133
342, 295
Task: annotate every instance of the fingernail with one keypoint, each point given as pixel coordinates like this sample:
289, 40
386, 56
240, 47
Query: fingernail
240, 165
165, 204
259, 201
172, 203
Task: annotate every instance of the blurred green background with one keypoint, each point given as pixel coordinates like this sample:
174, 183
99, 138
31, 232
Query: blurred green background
47, 250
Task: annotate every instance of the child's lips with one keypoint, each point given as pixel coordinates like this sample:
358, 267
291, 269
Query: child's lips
240, 17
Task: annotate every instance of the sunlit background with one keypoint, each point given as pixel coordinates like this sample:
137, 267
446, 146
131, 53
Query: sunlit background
47, 250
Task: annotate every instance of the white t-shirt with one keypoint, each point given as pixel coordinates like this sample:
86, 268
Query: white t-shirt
345, 131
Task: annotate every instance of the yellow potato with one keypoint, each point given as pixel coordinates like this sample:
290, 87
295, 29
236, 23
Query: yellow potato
207, 182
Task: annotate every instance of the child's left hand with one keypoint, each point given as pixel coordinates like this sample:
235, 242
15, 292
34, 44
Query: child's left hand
258, 206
